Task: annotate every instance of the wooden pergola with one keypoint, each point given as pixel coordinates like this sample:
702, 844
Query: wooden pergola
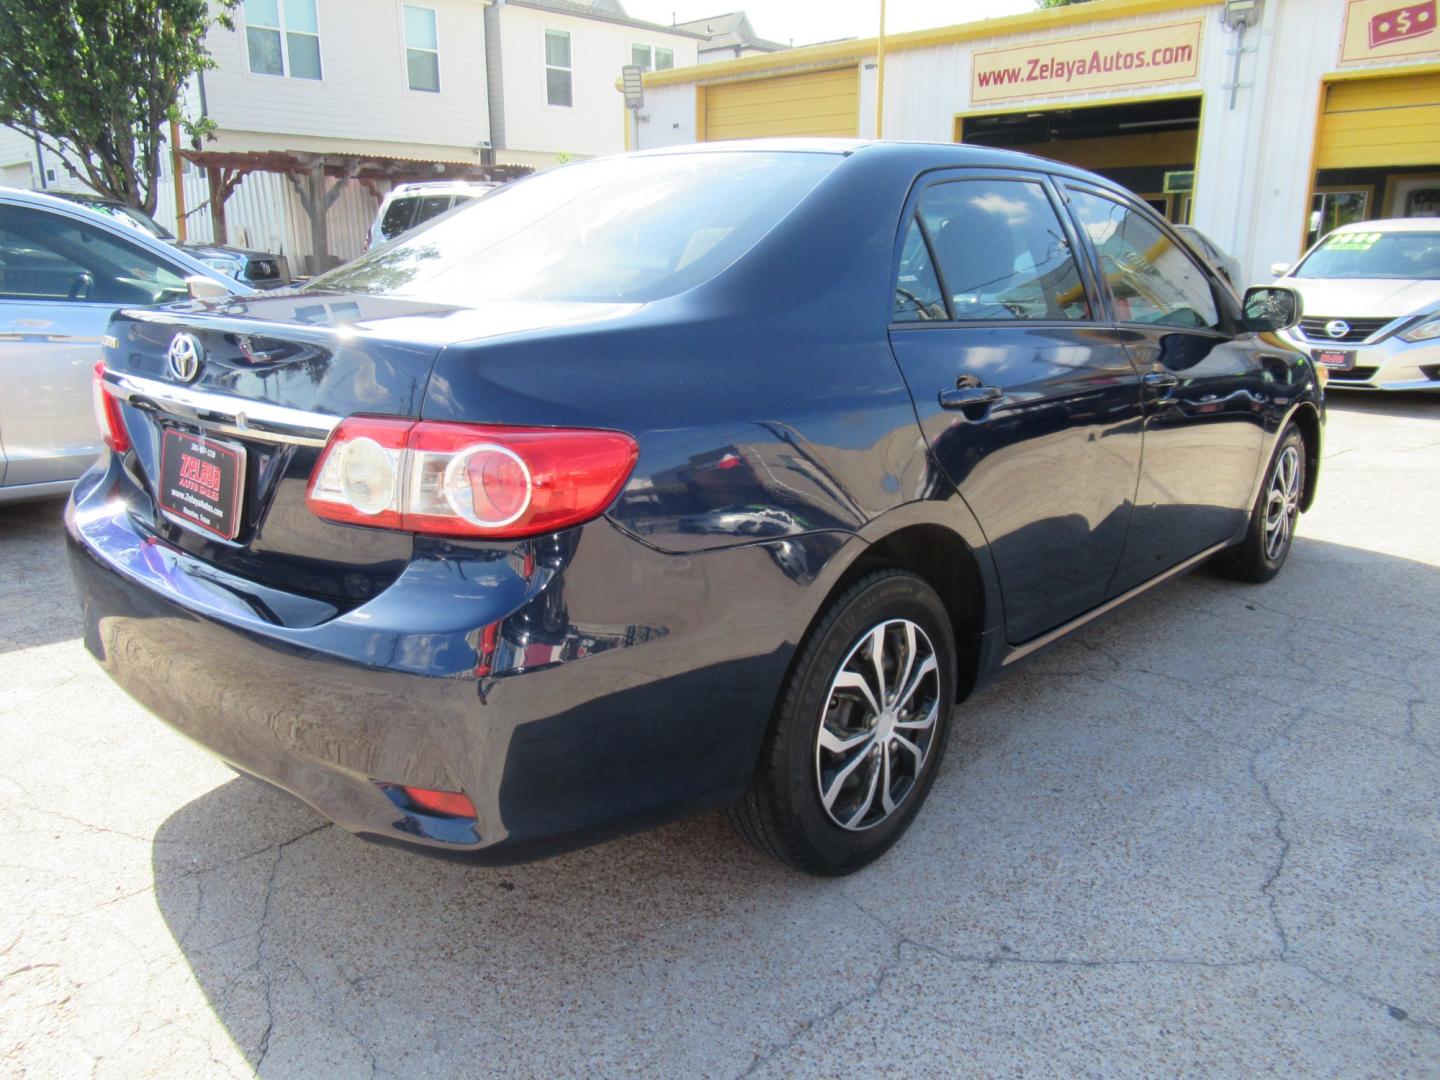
307, 172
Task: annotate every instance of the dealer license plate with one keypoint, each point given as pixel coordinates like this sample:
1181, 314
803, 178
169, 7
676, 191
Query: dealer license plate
202, 481
1336, 359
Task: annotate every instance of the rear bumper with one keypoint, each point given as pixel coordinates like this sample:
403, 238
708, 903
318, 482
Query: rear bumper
574, 688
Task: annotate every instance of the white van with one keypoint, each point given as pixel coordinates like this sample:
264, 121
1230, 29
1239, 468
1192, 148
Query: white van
408, 205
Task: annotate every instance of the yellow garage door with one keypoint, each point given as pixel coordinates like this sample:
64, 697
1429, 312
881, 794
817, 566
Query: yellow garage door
816, 103
1374, 122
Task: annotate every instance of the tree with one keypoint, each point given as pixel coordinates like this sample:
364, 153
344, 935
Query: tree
1057, 3
96, 81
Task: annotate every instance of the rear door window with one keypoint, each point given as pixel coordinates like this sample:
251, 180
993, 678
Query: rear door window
398, 216
49, 256
917, 289
431, 206
1002, 252
1153, 279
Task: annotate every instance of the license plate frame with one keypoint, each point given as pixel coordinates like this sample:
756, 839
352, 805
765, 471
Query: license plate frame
206, 496
1335, 359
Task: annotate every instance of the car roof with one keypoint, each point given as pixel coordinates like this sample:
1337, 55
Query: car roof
85, 197
1392, 225
69, 208
921, 155
442, 187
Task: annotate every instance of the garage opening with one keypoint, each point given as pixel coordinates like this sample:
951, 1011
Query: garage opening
1146, 146
1377, 153
811, 103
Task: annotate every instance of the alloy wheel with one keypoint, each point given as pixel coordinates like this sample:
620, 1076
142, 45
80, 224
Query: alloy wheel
1282, 503
878, 725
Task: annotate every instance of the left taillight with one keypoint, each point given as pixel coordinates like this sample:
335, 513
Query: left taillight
478, 480
107, 414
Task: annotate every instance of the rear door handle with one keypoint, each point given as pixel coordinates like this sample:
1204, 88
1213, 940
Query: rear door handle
962, 397
1161, 380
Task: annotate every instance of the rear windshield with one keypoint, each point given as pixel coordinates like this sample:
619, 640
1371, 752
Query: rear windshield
621, 229
1374, 255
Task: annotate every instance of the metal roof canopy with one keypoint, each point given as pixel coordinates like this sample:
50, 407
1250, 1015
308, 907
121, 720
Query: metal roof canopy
307, 171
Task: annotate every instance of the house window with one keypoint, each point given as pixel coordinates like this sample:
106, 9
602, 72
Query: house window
422, 49
283, 38
652, 58
557, 68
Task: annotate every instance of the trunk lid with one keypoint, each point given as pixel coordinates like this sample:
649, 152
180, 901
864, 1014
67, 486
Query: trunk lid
230, 432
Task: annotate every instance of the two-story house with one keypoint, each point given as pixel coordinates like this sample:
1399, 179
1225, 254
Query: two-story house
434, 88
553, 65
729, 37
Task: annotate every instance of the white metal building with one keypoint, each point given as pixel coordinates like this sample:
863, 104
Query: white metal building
1259, 121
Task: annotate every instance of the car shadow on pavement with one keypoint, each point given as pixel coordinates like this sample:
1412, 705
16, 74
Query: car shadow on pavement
40, 606
1164, 785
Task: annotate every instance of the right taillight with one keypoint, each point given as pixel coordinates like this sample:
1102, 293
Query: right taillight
107, 414
479, 480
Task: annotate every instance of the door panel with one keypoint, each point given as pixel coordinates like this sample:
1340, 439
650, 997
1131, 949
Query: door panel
48, 353
1031, 405
1049, 471
1205, 393
1203, 439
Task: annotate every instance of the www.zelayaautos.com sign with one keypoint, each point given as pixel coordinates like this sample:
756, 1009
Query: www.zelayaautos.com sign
1121, 58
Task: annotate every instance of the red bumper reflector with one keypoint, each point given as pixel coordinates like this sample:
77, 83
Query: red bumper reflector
448, 803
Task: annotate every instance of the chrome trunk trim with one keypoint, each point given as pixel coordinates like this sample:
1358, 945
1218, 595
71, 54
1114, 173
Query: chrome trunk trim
259, 420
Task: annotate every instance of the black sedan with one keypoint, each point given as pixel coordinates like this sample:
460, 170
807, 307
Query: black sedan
693, 478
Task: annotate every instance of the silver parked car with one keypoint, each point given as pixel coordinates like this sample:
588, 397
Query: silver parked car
63, 271
1371, 295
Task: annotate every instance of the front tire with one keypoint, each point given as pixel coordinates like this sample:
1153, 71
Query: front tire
859, 730
1267, 543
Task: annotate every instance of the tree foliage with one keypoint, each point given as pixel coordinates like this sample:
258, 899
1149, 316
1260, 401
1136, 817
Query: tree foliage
97, 80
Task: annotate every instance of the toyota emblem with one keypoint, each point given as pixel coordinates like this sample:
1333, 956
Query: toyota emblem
185, 355
1337, 328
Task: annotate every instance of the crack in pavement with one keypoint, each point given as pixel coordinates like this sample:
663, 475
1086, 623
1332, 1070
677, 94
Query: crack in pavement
1275, 869
1282, 839
261, 928
803, 1027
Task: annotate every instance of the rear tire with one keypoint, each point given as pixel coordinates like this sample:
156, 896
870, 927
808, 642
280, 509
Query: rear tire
1271, 534
859, 729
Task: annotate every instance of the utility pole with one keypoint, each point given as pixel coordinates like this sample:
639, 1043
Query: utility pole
177, 179
880, 75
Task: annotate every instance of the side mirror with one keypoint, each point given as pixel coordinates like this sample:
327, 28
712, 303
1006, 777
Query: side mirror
1270, 307
1279, 269
204, 288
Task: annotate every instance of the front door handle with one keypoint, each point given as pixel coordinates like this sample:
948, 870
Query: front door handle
1161, 380
963, 397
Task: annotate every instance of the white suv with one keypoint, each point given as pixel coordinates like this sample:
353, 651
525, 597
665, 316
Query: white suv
1371, 301
408, 205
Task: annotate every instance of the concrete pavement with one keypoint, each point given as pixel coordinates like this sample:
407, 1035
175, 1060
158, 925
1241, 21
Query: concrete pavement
1202, 836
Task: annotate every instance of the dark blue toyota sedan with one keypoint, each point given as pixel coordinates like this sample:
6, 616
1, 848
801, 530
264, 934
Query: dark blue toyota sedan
686, 479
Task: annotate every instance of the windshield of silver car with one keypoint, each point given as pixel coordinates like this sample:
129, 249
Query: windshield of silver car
1404, 255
